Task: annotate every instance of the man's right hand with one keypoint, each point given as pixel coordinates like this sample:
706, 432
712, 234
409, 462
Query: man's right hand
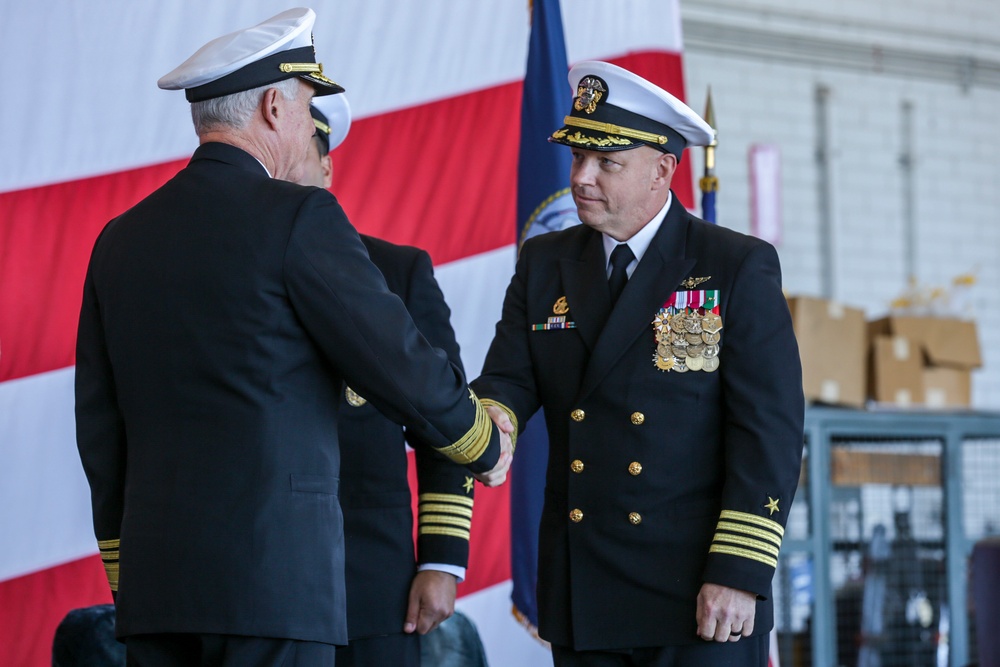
498, 475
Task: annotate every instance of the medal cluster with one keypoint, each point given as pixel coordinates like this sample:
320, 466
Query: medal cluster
687, 339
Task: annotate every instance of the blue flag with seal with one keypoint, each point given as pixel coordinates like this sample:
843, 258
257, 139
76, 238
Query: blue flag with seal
544, 204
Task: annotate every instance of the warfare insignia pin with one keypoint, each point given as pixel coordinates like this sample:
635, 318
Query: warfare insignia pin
691, 283
561, 306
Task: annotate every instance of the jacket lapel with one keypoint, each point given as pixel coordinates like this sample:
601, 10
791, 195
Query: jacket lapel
587, 289
654, 280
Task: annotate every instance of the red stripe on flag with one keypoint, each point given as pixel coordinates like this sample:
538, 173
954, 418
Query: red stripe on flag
32, 606
46, 235
440, 176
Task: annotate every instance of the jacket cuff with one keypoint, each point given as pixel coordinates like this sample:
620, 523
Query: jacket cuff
109, 556
489, 402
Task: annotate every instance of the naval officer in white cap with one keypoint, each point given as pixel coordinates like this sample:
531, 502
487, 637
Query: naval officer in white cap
221, 317
662, 352
391, 599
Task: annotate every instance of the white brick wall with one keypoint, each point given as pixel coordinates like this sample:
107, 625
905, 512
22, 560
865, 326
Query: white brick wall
762, 97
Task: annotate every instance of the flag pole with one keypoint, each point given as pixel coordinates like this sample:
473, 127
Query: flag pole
708, 183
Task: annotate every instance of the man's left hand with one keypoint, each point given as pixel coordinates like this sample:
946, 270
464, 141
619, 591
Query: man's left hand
432, 600
725, 614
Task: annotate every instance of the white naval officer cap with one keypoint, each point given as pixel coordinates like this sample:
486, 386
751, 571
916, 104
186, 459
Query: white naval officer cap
615, 110
332, 117
277, 49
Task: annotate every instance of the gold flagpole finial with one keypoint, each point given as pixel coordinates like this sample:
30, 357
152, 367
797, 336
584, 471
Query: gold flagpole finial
710, 116
710, 149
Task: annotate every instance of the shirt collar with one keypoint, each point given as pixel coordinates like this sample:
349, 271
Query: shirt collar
640, 241
262, 165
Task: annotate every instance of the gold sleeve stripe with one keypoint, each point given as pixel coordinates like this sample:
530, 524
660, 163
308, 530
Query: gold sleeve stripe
748, 542
753, 518
445, 509
445, 498
744, 553
109, 556
489, 402
111, 570
475, 441
747, 530
428, 519
442, 530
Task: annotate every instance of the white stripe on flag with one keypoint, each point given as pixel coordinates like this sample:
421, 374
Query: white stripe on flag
504, 639
475, 310
44, 496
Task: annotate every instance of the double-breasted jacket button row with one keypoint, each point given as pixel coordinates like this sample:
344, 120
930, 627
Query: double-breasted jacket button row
579, 415
634, 468
576, 516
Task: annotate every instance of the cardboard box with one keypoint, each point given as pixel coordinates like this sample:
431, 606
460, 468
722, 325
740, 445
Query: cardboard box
850, 467
831, 340
896, 371
947, 387
943, 341
949, 350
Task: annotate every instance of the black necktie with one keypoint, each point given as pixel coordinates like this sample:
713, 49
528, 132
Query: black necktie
621, 257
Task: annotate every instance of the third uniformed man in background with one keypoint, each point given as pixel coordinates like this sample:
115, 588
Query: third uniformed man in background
389, 602
662, 351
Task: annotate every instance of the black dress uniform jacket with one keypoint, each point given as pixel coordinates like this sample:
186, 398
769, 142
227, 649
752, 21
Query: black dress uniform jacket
657, 481
221, 316
374, 491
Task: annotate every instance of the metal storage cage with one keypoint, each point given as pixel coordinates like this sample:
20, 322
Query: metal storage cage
874, 565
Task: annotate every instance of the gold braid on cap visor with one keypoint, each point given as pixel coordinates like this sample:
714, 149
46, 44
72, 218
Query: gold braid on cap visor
322, 127
609, 128
314, 70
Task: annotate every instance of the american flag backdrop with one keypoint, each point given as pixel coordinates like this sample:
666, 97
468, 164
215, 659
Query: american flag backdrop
431, 160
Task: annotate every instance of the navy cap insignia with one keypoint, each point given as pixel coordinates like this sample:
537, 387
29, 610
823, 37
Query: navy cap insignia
561, 306
589, 92
691, 283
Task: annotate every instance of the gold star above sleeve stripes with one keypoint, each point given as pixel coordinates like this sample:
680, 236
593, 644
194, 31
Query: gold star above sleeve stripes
444, 514
748, 536
109, 556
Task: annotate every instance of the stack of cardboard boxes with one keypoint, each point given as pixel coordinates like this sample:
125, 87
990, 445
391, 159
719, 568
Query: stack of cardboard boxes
923, 361
903, 361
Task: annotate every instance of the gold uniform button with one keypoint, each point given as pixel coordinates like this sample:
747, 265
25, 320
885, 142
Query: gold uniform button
578, 415
634, 468
576, 516
576, 466
638, 418
635, 518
